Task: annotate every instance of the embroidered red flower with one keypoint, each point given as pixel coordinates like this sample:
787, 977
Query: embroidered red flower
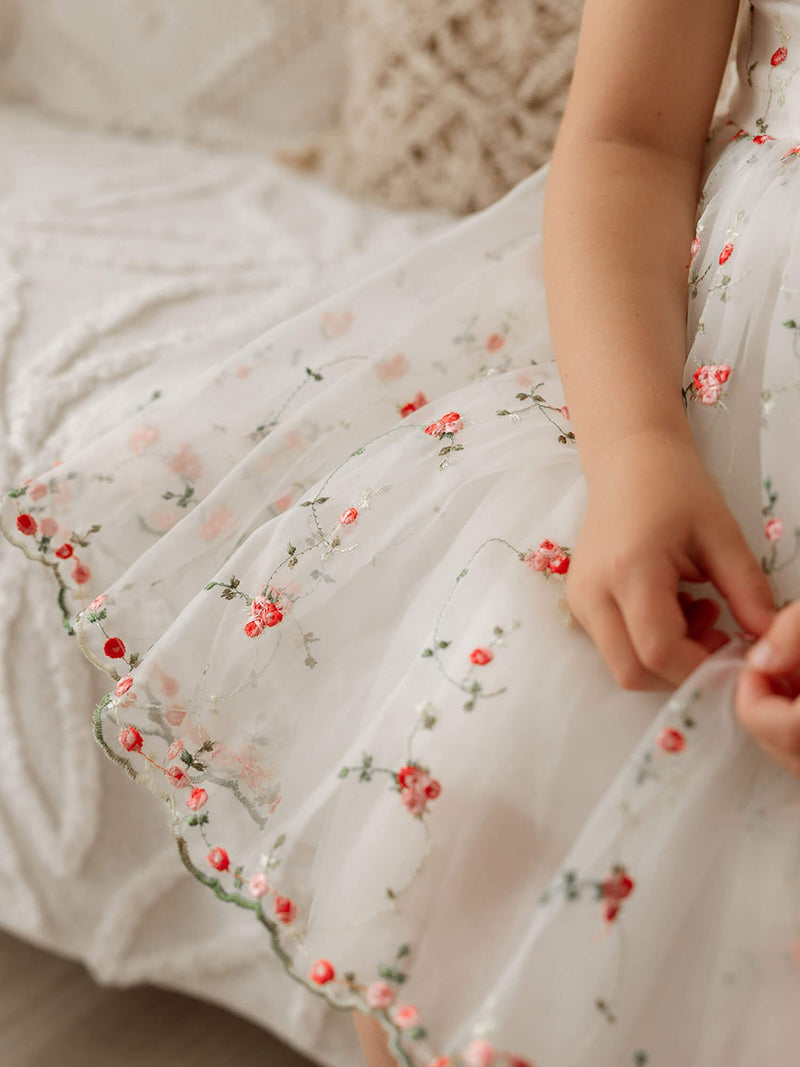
549, 557
417, 788
481, 656
773, 529
708, 381
114, 648
725, 254
131, 740
218, 858
419, 401
779, 56
671, 740
348, 516
196, 799
80, 573
26, 524
64, 551
322, 972
263, 613
123, 685
178, 777
379, 995
696, 246
285, 910
449, 423
792, 152
495, 342
762, 138
614, 890
98, 602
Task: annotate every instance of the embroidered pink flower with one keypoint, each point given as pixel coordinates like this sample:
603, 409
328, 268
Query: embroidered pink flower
142, 438
708, 381
725, 254
479, 1053
696, 245
220, 521
348, 516
196, 799
779, 56
258, 885
671, 740
123, 685
285, 910
98, 603
36, 490
131, 740
564, 412
406, 1016
175, 715
495, 342
49, 527
186, 463
334, 323
393, 368
322, 972
64, 551
177, 776
548, 557
80, 573
175, 748
218, 858
481, 656
263, 613
792, 152
449, 423
419, 401
114, 647
243, 370
773, 529
26, 524
441, 1061
416, 789
614, 890
379, 995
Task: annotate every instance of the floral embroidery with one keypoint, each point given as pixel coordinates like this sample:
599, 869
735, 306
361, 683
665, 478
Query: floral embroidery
708, 381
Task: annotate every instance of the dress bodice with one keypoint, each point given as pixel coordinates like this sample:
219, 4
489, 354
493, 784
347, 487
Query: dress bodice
766, 101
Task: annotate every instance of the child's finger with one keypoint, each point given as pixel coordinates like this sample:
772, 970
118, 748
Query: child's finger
658, 628
778, 651
734, 570
771, 717
607, 630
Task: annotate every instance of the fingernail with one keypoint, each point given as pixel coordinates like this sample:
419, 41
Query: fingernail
762, 656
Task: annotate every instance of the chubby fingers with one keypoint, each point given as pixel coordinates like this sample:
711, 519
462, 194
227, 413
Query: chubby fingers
603, 621
765, 708
778, 650
658, 626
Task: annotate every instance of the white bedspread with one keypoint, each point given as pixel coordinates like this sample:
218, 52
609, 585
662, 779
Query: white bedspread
125, 264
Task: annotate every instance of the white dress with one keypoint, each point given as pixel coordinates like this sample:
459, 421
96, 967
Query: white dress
325, 579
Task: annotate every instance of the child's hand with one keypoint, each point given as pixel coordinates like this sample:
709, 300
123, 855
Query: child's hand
655, 517
768, 694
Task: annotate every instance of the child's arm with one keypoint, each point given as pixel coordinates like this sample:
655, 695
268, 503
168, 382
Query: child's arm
619, 222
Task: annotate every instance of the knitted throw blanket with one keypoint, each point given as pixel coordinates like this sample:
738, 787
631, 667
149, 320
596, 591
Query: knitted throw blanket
451, 102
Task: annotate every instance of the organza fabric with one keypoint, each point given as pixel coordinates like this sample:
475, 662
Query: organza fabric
326, 580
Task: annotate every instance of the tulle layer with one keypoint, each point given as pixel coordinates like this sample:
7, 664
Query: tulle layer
326, 580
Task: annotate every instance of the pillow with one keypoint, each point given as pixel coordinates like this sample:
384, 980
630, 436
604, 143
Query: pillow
244, 72
449, 103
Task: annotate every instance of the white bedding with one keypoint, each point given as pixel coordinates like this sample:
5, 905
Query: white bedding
123, 265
